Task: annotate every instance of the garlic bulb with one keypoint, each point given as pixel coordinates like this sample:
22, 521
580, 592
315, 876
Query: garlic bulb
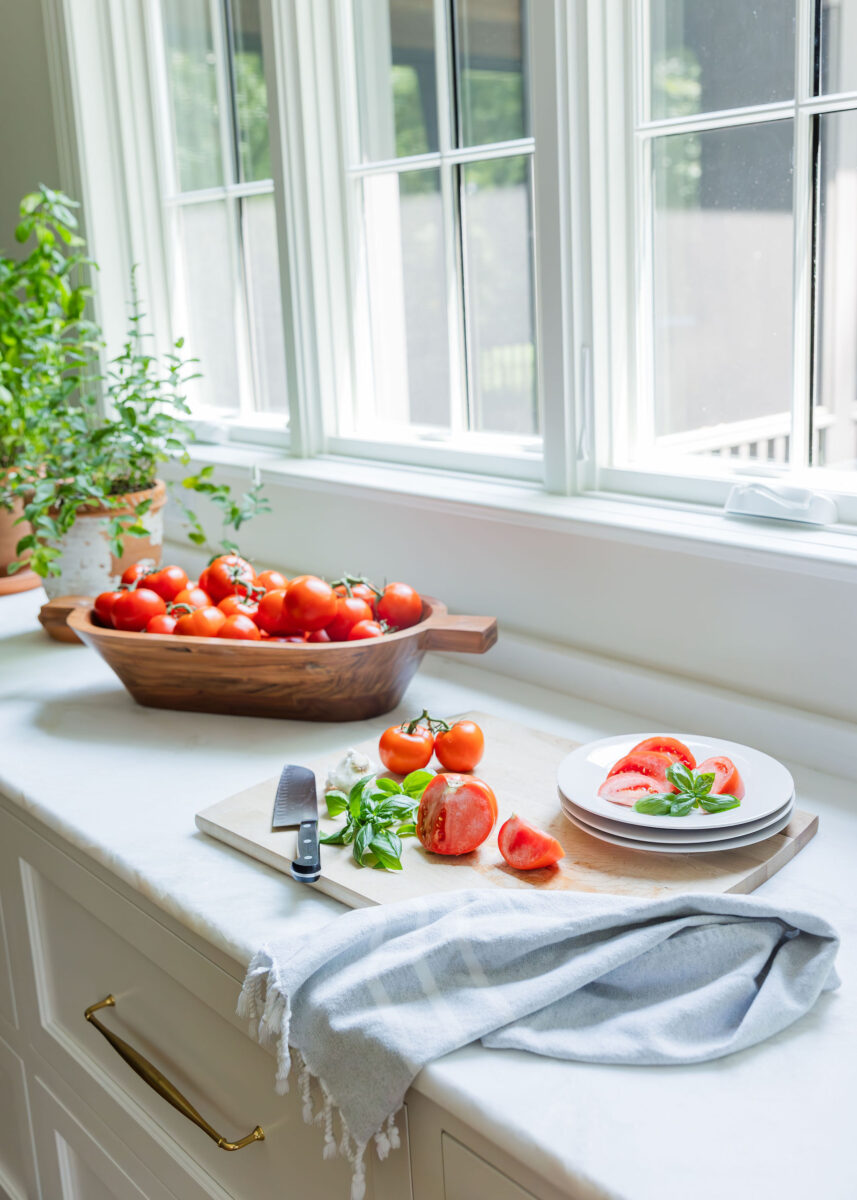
350, 770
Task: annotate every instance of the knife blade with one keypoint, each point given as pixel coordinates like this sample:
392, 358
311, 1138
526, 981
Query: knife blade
296, 804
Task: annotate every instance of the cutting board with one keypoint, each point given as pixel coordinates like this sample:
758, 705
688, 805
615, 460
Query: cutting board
520, 764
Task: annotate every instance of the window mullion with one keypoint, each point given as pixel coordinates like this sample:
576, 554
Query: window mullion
800, 450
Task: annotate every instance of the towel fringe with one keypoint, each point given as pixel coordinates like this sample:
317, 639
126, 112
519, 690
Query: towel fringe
268, 1012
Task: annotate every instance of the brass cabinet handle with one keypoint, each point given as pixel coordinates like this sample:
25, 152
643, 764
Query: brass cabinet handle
153, 1077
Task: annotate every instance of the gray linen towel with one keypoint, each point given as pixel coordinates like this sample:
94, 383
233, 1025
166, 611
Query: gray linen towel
381, 992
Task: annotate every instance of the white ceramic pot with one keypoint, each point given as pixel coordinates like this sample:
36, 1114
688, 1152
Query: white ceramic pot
87, 565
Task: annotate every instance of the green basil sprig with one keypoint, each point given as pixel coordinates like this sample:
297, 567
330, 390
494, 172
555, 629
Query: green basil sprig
379, 812
694, 791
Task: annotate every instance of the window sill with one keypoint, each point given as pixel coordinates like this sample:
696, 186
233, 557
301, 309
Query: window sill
701, 530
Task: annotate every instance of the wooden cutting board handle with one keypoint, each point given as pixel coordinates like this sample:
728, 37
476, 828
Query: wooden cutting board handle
466, 635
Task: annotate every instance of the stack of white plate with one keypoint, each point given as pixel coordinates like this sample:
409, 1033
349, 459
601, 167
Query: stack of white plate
767, 806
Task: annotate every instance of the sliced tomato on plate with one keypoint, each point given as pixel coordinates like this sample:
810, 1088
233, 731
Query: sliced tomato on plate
527, 848
727, 779
629, 786
645, 762
670, 746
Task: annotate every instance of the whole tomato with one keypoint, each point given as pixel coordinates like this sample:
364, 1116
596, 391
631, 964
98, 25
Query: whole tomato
240, 628
195, 596
134, 609
240, 604
406, 748
164, 623
349, 611
460, 748
310, 603
272, 616
456, 814
227, 574
271, 581
167, 582
363, 591
318, 635
400, 606
202, 582
133, 574
103, 606
365, 629
202, 622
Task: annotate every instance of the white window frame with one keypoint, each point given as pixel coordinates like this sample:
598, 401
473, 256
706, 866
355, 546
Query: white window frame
622, 270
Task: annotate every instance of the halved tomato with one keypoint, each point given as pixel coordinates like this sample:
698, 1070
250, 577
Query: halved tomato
628, 787
526, 848
456, 814
727, 780
646, 762
668, 745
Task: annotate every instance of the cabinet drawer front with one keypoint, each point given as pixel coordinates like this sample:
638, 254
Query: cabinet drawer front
17, 1163
466, 1175
178, 1010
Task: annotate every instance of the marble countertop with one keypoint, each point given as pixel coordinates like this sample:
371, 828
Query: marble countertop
123, 783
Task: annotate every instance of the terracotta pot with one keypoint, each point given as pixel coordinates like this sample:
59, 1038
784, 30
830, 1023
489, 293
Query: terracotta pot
87, 565
10, 535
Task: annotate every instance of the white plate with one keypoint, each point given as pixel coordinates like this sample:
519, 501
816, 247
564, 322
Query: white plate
768, 785
679, 833
747, 839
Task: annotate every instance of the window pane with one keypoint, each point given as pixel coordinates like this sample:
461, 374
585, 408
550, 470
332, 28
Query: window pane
710, 56
208, 317
264, 301
498, 248
834, 442
193, 94
407, 292
722, 254
395, 77
489, 45
837, 31
251, 97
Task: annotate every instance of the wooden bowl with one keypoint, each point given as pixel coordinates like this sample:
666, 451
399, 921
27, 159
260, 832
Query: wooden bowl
339, 681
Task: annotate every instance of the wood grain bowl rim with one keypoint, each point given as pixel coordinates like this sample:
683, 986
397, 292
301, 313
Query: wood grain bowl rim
79, 619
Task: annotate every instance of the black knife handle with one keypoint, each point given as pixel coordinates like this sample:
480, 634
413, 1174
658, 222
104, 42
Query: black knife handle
306, 866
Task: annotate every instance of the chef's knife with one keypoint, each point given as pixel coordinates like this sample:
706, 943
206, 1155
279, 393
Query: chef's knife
297, 804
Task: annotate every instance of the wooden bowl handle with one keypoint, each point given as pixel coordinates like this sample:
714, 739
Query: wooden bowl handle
468, 635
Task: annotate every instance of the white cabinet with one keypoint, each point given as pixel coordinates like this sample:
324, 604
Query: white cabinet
73, 936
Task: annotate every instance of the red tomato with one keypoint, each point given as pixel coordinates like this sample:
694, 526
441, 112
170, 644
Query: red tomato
237, 603
226, 575
271, 581
403, 752
365, 629
670, 746
103, 606
526, 848
461, 747
727, 780
350, 610
165, 623
133, 610
272, 616
456, 814
646, 762
240, 628
400, 606
133, 574
310, 603
202, 622
167, 582
202, 582
319, 635
195, 596
628, 787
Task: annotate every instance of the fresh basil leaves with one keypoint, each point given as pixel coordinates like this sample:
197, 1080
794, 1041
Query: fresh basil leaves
694, 791
379, 812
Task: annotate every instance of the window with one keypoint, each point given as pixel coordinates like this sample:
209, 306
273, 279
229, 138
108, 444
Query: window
438, 164
739, 301
209, 75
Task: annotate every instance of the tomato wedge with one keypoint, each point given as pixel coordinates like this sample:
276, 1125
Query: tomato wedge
668, 745
628, 787
727, 780
645, 762
526, 848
